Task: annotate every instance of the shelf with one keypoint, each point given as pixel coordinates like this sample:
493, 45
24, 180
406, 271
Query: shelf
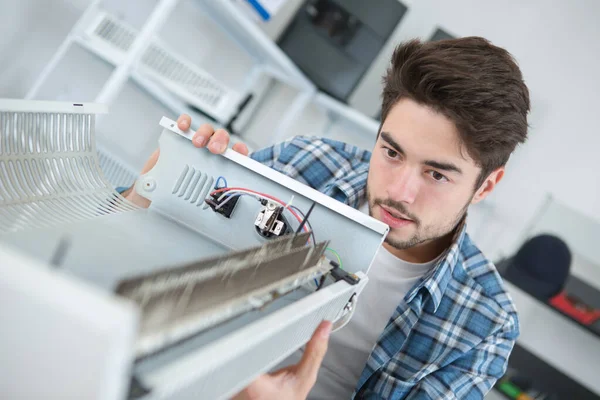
580, 289
545, 377
110, 39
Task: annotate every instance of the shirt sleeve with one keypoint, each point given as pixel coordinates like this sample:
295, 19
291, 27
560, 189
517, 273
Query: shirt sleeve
269, 156
472, 375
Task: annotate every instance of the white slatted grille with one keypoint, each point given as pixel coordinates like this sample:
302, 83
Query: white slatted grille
49, 171
175, 72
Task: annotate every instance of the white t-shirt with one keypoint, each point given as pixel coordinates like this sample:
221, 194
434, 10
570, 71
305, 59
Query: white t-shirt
390, 278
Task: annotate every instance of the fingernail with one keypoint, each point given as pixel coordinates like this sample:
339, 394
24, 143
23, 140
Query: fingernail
326, 331
217, 147
182, 124
199, 140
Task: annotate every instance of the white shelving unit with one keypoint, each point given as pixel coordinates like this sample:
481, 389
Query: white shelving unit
178, 84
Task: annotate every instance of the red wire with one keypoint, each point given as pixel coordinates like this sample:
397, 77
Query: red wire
264, 195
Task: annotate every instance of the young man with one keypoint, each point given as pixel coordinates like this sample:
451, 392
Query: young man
434, 322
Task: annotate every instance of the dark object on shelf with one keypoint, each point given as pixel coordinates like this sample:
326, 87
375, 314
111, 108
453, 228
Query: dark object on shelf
440, 34
541, 267
532, 375
575, 288
335, 41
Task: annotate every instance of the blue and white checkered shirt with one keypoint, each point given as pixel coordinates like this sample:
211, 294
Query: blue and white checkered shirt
451, 336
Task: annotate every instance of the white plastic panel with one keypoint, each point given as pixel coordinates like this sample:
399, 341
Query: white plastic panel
236, 358
61, 339
353, 234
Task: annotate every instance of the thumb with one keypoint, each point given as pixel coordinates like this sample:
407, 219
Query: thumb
313, 355
151, 161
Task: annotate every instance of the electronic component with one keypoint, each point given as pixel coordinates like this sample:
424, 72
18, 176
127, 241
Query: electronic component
224, 207
270, 220
183, 301
339, 274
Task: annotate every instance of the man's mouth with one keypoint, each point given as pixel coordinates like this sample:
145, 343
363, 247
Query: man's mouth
395, 219
395, 213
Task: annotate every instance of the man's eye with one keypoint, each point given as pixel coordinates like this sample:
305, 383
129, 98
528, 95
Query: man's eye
391, 153
437, 176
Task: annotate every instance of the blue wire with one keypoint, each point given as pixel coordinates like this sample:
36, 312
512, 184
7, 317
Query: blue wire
218, 180
316, 282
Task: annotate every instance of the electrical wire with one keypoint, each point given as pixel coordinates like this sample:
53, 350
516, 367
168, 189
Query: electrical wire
312, 232
339, 259
220, 178
232, 192
305, 219
320, 285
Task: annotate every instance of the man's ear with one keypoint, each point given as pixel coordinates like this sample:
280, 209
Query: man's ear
488, 185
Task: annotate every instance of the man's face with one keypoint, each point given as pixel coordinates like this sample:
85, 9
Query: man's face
421, 179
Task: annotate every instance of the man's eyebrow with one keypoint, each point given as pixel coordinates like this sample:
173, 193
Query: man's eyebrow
385, 136
444, 166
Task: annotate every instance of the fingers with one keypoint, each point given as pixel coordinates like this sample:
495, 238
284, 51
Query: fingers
184, 121
202, 135
260, 388
313, 356
241, 148
219, 141
216, 141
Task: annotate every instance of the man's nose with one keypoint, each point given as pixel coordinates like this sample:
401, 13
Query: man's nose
404, 185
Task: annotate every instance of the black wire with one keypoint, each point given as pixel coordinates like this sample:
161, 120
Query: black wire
305, 218
321, 282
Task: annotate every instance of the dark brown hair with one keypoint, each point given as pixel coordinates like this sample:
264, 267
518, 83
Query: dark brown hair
475, 84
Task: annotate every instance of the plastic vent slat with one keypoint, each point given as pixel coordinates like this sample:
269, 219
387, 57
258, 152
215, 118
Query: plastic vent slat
50, 173
193, 185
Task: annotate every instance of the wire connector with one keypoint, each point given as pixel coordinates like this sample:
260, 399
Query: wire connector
226, 209
339, 274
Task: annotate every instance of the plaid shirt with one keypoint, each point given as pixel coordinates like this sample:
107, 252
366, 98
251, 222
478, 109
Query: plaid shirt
451, 336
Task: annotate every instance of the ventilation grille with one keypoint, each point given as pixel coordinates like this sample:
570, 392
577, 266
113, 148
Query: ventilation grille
116, 173
115, 33
181, 73
193, 185
49, 172
35, 133
176, 73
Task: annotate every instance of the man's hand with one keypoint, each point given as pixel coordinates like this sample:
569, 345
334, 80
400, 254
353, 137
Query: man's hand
216, 141
296, 381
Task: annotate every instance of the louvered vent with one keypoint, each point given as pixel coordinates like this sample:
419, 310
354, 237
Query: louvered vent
193, 185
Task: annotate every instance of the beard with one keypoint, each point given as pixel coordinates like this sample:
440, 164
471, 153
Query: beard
423, 233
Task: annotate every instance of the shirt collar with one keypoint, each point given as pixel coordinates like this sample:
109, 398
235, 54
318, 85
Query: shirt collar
436, 281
